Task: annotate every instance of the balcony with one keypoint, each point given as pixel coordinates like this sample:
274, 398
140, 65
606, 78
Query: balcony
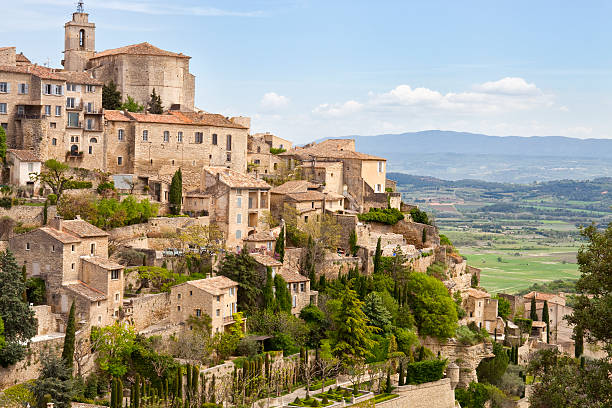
30, 116
93, 111
228, 319
94, 128
74, 154
76, 107
78, 125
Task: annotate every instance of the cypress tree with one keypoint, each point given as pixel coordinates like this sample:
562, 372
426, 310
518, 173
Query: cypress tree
136, 389
388, 387
322, 283
68, 351
378, 258
401, 373
268, 290
424, 235
166, 388
533, 314
353, 243
45, 212
189, 385
179, 374
422, 353
113, 396
213, 391
119, 393
578, 342
546, 319
175, 195
267, 365
195, 376
155, 104
279, 247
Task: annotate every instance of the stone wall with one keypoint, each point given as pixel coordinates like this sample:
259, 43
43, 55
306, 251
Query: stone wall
347, 224
437, 394
148, 310
412, 232
28, 214
157, 225
421, 264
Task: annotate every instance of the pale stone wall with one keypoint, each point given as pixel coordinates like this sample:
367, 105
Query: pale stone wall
372, 176
47, 320
27, 214
147, 310
437, 394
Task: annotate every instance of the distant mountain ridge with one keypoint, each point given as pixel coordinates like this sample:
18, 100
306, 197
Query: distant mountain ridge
444, 141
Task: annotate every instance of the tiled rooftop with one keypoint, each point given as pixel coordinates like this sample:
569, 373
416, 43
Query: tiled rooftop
215, 285
235, 179
479, 294
102, 262
36, 70
265, 260
139, 49
75, 77
61, 236
260, 237
25, 155
82, 229
294, 186
292, 277
331, 148
88, 292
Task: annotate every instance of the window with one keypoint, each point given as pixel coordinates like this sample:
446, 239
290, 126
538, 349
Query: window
198, 312
378, 188
59, 90
58, 111
27, 246
179, 137
120, 134
74, 139
114, 272
218, 298
295, 286
30, 167
239, 192
178, 296
54, 142
90, 150
302, 287
48, 90
52, 125
2, 107
91, 88
89, 124
218, 312
257, 161
72, 266
72, 247
82, 38
191, 293
99, 317
4, 87
70, 87
238, 234
116, 297
178, 308
99, 303
90, 107
119, 160
70, 102
239, 202
312, 204
380, 166
232, 291
294, 301
166, 136
47, 110
145, 135
22, 89
20, 109
199, 137
214, 139
93, 140
229, 143
228, 157
238, 218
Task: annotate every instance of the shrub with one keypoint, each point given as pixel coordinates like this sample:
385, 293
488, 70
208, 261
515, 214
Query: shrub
77, 184
108, 185
248, 347
6, 202
52, 199
277, 150
425, 371
419, 216
36, 291
390, 216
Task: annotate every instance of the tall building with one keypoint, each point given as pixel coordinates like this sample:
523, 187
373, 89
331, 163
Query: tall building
79, 41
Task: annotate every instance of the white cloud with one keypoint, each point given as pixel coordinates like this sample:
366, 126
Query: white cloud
509, 86
272, 100
337, 110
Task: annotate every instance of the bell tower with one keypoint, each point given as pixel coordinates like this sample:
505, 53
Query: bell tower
79, 40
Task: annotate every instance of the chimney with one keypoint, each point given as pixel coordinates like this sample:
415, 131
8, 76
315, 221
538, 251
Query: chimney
56, 223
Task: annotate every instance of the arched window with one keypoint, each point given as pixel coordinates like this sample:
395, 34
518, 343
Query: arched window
93, 140
82, 38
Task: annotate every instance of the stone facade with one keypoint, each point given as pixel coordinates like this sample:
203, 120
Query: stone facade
437, 394
22, 165
261, 161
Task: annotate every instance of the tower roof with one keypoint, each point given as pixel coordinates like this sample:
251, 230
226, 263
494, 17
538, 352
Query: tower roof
140, 49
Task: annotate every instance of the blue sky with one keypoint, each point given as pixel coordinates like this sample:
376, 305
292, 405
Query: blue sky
311, 69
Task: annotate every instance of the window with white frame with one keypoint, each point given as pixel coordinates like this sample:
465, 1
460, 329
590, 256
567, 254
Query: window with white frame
381, 166
2, 107
119, 160
27, 246
238, 234
166, 136
5, 87
179, 137
91, 88
120, 134
59, 90
48, 89
70, 103
48, 110
145, 135
238, 218
30, 167
58, 111
378, 188
239, 202
115, 274
199, 137
23, 89
20, 109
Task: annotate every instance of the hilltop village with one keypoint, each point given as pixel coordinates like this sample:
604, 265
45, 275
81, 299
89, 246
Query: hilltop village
168, 256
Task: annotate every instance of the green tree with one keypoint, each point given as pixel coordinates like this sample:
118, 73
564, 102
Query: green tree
54, 381
242, 268
419, 216
578, 341
546, 319
19, 322
593, 307
111, 97
54, 175
131, 105
114, 345
2, 144
2, 339
268, 290
533, 314
378, 267
433, 308
175, 196
503, 307
282, 294
491, 370
376, 312
279, 247
353, 243
352, 339
68, 351
155, 104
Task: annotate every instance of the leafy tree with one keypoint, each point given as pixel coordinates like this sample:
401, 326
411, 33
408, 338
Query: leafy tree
353, 243
68, 351
279, 247
206, 237
376, 312
533, 314
491, 370
268, 290
593, 308
19, 322
419, 216
131, 105
114, 345
433, 308
352, 340
54, 381
316, 322
475, 396
503, 307
378, 267
546, 319
111, 97
176, 192
155, 104
283, 297
2, 144
54, 175
242, 268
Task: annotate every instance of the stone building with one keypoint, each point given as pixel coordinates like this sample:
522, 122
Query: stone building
560, 329
216, 297
305, 198
482, 310
22, 164
237, 203
261, 161
363, 175
72, 258
263, 242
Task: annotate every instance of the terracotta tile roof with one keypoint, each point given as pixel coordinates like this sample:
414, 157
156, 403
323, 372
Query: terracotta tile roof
479, 294
82, 229
21, 58
332, 148
116, 116
61, 236
139, 49
540, 295
260, 237
102, 262
86, 291
265, 260
205, 119
235, 179
294, 186
25, 155
152, 118
333, 196
306, 196
36, 70
215, 285
292, 277
75, 77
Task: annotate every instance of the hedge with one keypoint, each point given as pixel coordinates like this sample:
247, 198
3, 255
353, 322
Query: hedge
77, 185
425, 371
390, 216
